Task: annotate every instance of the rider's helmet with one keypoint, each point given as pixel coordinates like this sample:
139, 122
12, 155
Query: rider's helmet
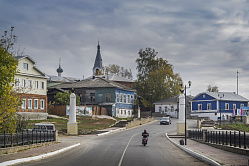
145, 130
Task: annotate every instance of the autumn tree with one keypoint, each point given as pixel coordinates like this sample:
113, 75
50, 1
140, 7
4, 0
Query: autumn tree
121, 71
156, 79
9, 99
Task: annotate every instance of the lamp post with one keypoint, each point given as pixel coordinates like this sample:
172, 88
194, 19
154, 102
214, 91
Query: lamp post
185, 88
151, 104
220, 96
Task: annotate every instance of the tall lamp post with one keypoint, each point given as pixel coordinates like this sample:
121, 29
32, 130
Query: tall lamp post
220, 96
185, 88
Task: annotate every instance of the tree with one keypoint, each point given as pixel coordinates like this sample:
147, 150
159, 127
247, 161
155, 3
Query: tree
155, 79
212, 88
9, 100
64, 98
121, 71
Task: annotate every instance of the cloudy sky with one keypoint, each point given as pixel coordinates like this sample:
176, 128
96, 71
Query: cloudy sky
205, 41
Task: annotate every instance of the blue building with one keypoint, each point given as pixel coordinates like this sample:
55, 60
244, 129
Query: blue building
209, 104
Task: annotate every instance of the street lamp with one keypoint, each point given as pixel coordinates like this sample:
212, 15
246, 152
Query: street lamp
185, 88
220, 96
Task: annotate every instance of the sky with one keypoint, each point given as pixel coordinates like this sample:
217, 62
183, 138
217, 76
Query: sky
207, 42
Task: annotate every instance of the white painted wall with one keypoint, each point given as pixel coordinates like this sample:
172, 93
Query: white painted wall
33, 75
168, 110
124, 113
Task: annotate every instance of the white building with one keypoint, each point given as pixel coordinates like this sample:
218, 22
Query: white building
31, 83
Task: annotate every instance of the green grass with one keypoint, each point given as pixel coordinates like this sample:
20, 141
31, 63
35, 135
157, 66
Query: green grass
86, 123
237, 126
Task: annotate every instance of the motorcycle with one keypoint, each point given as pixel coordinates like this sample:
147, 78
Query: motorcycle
144, 141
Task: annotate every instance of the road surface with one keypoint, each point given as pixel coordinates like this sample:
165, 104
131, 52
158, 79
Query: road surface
124, 148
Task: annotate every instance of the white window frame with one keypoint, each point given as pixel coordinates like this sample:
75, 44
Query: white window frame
29, 103
117, 99
23, 83
125, 98
234, 106
35, 103
121, 98
199, 107
23, 103
132, 99
30, 84
36, 84
226, 106
42, 104
17, 82
209, 106
42, 85
25, 66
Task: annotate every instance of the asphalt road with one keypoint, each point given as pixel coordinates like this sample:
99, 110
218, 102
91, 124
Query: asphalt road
125, 149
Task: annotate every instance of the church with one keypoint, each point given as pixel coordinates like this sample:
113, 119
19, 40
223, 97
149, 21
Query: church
98, 90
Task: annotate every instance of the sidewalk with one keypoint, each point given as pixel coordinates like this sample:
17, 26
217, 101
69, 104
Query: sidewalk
221, 156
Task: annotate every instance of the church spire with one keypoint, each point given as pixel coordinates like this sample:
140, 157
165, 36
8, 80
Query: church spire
98, 69
59, 70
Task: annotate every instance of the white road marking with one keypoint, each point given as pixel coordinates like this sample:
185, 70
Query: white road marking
121, 159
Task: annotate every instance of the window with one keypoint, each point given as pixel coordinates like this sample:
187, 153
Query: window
121, 97
226, 106
172, 108
241, 105
121, 112
42, 104
25, 66
36, 104
209, 106
132, 99
42, 85
125, 112
36, 84
160, 109
199, 107
124, 98
129, 113
17, 82
234, 106
29, 103
128, 99
107, 97
23, 103
166, 108
23, 83
92, 97
117, 97
30, 83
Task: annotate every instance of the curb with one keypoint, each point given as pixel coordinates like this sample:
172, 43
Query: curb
194, 154
17, 161
112, 131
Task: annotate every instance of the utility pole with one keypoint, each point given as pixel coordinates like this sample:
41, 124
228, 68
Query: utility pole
237, 82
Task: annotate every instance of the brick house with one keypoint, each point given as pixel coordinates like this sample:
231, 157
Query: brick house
31, 83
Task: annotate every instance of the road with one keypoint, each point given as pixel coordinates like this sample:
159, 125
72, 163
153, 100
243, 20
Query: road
125, 149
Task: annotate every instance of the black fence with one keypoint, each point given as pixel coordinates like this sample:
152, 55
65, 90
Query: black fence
26, 137
229, 138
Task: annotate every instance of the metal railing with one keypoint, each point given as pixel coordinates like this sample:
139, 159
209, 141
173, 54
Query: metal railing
230, 138
26, 137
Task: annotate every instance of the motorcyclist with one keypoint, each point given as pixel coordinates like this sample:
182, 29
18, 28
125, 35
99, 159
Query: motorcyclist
145, 134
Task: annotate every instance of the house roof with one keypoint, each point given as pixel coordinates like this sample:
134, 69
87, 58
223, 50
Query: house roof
96, 82
172, 100
228, 96
28, 57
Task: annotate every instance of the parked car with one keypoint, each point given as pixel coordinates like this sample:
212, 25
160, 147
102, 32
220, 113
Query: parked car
165, 120
44, 127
